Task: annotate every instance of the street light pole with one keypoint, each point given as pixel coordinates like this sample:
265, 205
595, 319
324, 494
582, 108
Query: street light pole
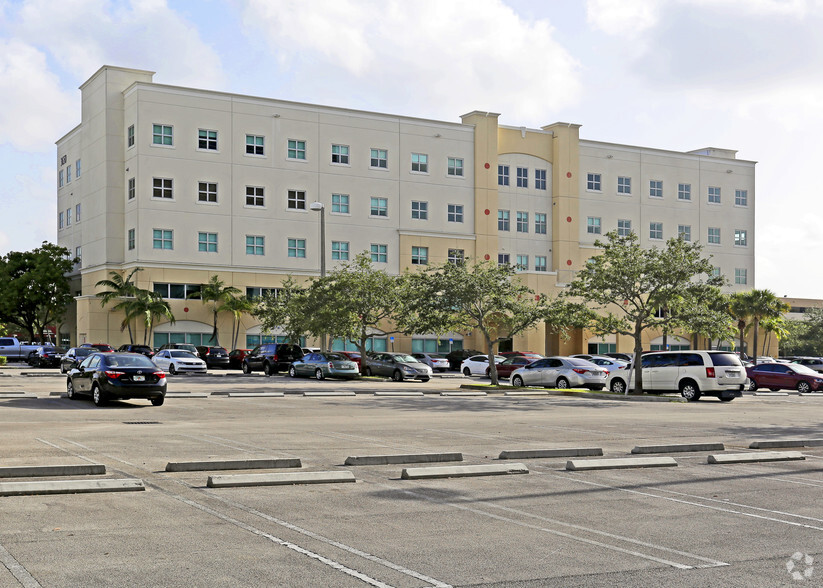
318, 206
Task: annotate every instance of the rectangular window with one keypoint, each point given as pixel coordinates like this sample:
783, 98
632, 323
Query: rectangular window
624, 227
77, 169
77, 213
502, 175
207, 242
78, 253
379, 207
455, 213
420, 163
131, 239
523, 262
503, 258
255, 196
656, 188
419, 210
297, 149
624, 185
297, 248
255, 145
340, 203
741, 276
340, 250
206, 192
684, 191
379, 253
540, 263
255, 245
162, 188
296, 200
741, 197
685, 231
522, 221
163, 239
68, 175
130, 136
741, 238
379, 158
714, 194
161, 135
540, 179
714, 235
60, 183
176, 291
593, 182
715, 272
455, 166
522, 177
655, 230
61, 219
131, 191
540, 223
340, 154
420, 255
456, 256
207, 139
503, 220
593, 225
253, 292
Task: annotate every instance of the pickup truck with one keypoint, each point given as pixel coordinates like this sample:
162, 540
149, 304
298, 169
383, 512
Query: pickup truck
14, 350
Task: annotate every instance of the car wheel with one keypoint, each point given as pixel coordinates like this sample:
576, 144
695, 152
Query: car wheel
727, 398
97, 395
62, 370
562, 383
70, 390
318, 374
517, 382
172, 369
367, 372
267, 369
752, 385
690, 391
618, 386
246, 368
397, 376
158, 401
489, 373
292, 372
804, 387
775, 389
467, 372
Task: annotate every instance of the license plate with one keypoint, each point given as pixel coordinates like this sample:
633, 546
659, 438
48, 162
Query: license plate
139, 378
732, 373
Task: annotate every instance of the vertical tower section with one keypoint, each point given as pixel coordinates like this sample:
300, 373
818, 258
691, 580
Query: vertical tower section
485, 182
565, 200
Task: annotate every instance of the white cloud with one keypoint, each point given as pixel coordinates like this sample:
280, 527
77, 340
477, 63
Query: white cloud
625, 18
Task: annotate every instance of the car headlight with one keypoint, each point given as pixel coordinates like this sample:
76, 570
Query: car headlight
409, 369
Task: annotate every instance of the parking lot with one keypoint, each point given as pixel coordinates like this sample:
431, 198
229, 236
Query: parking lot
695, 524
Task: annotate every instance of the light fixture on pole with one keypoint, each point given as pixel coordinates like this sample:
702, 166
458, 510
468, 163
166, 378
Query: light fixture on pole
318, 206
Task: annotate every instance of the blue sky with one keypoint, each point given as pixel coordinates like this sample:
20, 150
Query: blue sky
673, 74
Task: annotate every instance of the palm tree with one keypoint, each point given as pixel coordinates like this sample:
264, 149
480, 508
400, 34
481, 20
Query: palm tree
755, 306
119, 287
237, 306
779, 326
740, 307
218, 294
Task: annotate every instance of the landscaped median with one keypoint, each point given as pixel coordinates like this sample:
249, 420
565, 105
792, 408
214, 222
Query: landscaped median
578, 392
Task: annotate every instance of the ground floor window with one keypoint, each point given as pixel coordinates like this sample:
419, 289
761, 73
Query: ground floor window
423, 345
601, 348
161, 339
372, 344
253, 341
661, 347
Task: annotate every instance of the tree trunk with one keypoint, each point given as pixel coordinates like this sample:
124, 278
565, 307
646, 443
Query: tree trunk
214, 336
756, 323
638, 360
740, 327
492, 364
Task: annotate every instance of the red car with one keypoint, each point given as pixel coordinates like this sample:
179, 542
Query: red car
352, 355
784, 376
508, 365
530, 354
100, 347
236, 358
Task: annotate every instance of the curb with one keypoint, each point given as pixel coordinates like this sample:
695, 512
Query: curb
232, 464
254, 395
786, 443
70, 487
464, 393
463, 471
756, 457
547, 453
330, 393
409, 458
679, 448
58, 470
398, 393
620, 464
242, 480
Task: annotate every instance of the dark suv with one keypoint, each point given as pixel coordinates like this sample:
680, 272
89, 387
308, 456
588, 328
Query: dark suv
133, 348
271, 358
214, 356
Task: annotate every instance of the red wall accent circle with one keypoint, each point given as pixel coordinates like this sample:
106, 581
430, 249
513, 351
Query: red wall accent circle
568, 262
487, 166
568, 174
487, 256
488, 212
186, 309
568, 219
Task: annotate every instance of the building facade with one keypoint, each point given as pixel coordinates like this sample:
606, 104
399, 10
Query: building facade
188, 183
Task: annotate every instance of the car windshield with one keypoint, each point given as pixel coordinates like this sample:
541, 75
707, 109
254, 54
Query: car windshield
336, 357
83, 351
136, 361
805, 370
405, 359
725, 359
182, 354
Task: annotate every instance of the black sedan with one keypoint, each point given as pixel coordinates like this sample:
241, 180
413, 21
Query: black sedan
72, 358
120, 376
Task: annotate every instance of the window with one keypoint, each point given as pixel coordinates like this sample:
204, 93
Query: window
163, 239
523, 262
68, 175
624, 227
297, 149
131, 189
255, 245
656, 188
455, 166
379, 207
593, 225
255, 196
77, 169
714, 195
502, 220
255, 145
340, 250
253, 292
207, 242
60, 220
340, 154
522, 177
163, 188
131, 239
60, 182
207, 139
593, 182
655, 230
420, 255
161, 135
68, 217
379, 253
503, 258
297, 248
540, 263
502, 175
714, 235
685, 231
296, 200
206, 192
741, 238
178, 291
419, 210
456, 256
624, 185
522, 221
77, 213
540, 179
741, 197
740, 275
540, 223
455, 213
78, 253
379, 158
684, 191
340, 203
420, 163
130, 136
715, 272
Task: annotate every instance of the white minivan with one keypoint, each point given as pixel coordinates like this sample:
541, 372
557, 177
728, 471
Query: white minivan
692, 373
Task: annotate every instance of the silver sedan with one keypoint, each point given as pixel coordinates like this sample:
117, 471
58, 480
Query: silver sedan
560, 372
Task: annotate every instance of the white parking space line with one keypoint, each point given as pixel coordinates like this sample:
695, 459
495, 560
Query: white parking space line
18, 571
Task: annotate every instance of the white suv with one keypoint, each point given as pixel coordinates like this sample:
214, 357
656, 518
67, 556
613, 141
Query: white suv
692, 373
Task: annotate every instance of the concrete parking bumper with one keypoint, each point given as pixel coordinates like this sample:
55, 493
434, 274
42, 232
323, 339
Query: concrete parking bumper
682, 447
70, 487
233, 464
756, 457
407, 458
620, 463
463, 471
549, 453
58, 470
774, 443
240, 480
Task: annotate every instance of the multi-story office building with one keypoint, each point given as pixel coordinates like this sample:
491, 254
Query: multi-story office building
187, 183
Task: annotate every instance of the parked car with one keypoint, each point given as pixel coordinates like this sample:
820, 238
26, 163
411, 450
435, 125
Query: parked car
530, 354
14, 350
236, 358
354, 356
507, 366
476, 365
271, 358
177, 361
121, 376
324, 365
73, 357
307, 350
622, 356
815, 363
560, 372
457, 356
607, 363
184, 346
134, 348
784, 376
214, 356
101, 347
436, 361
399, 366
47, 357
692, 373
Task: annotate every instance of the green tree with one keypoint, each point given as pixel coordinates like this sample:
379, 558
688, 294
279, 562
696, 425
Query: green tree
777, 326
218, 294
122, 289
237, 306
752, 307
150, 306
627, 284
286, 309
